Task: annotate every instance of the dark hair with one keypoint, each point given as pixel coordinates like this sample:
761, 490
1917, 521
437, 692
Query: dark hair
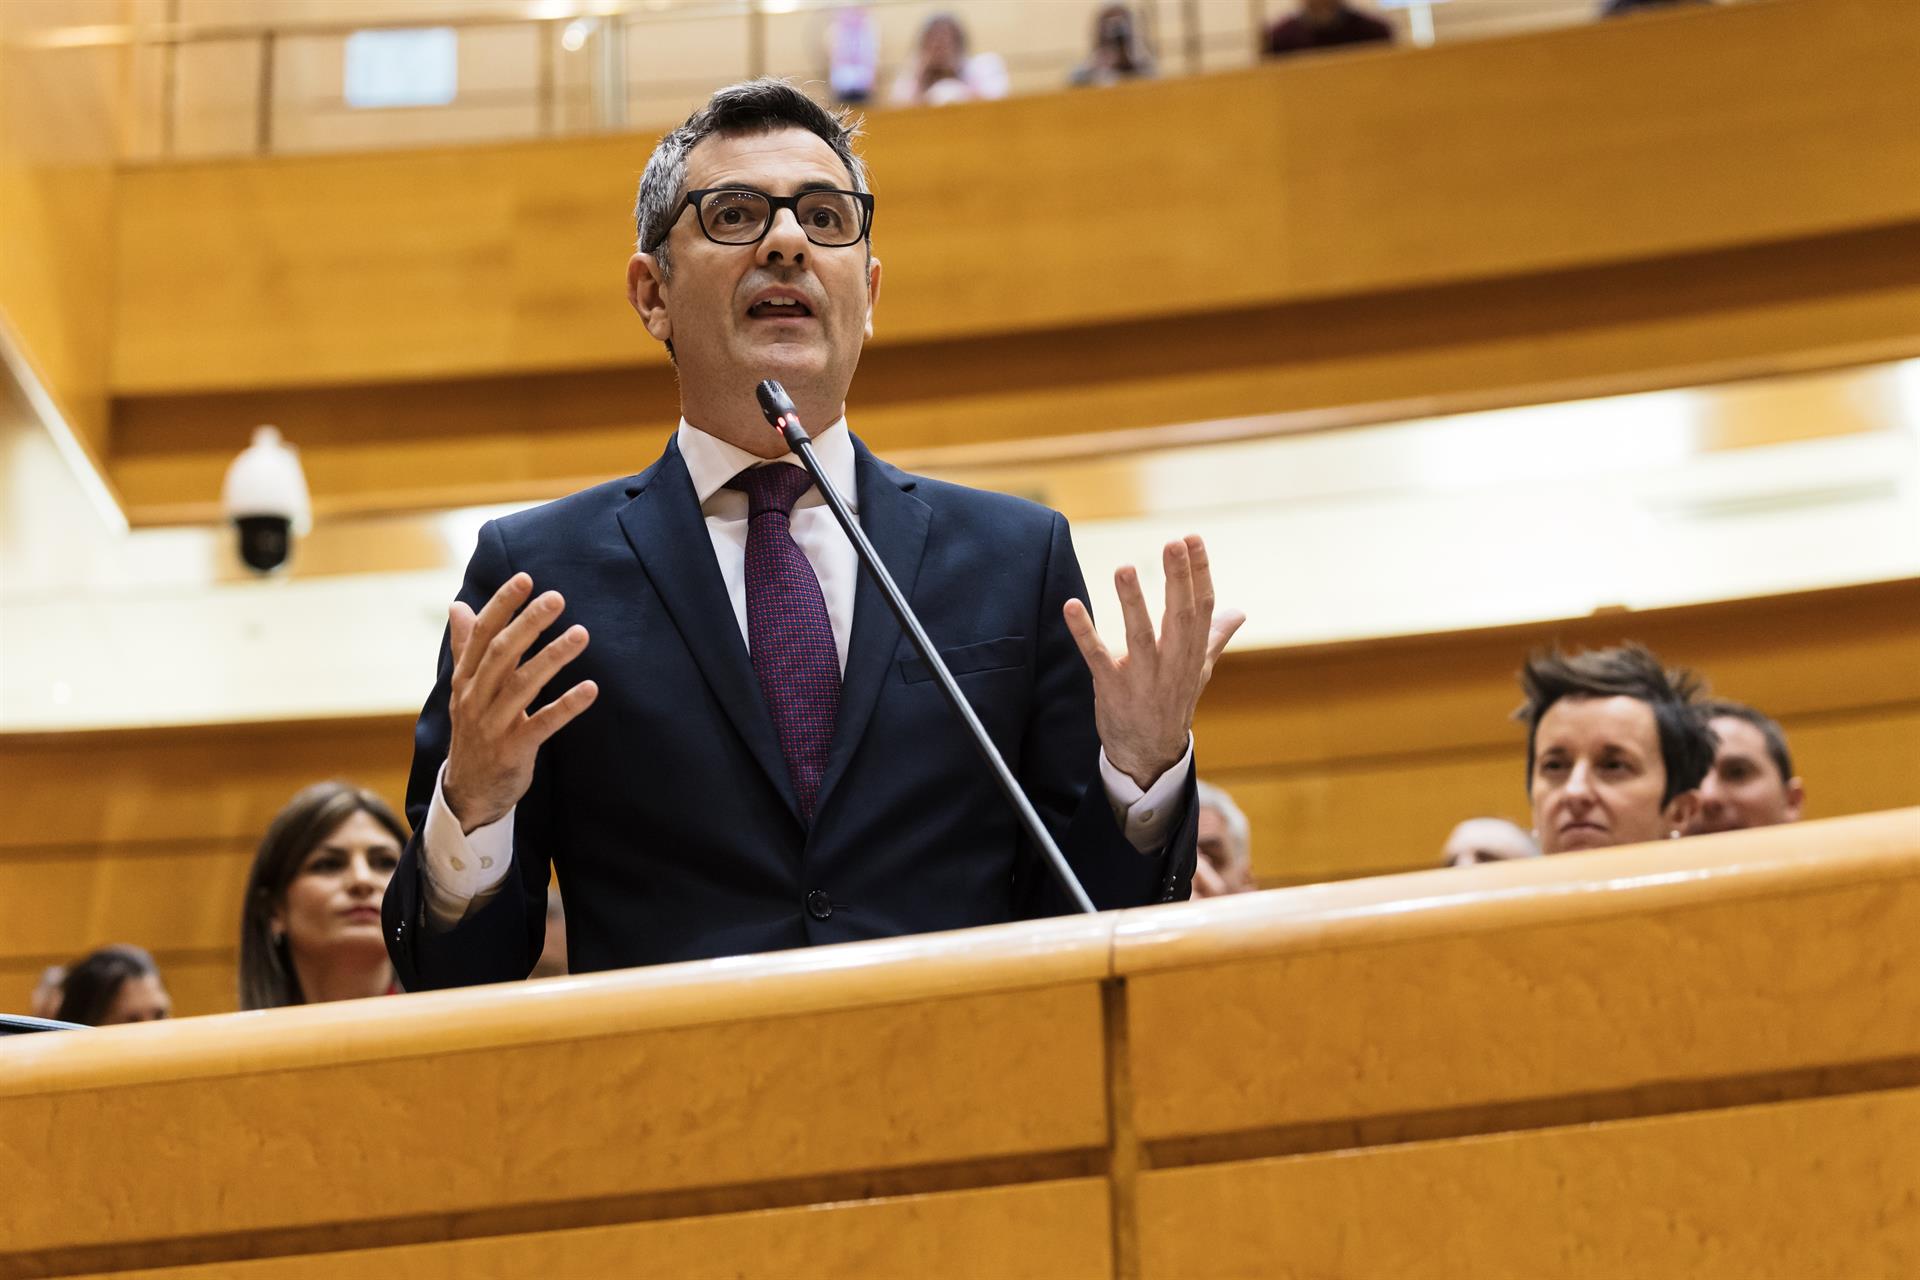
93, 983
1631, 671
1136, 58
267, 980
754, 106
951, 21
1769, 729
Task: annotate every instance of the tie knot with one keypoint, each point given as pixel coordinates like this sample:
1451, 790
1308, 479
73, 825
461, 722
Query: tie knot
774, 487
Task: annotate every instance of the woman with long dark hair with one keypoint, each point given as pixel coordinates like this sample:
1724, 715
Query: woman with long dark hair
310, 926
113, 985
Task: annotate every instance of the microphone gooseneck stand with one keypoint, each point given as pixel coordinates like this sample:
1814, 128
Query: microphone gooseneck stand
778, 407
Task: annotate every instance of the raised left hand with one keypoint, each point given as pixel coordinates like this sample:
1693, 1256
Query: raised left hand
1143, 701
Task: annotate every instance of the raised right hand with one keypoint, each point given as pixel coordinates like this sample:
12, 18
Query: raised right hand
490, 753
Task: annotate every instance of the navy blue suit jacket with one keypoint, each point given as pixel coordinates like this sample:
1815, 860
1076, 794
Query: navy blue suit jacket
666, 811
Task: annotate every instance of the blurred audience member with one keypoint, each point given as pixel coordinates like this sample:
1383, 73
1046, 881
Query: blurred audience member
1751, 783
553, 955
310, 926
1225, 864
1616, 747
1324, 24
113, 985
941, 71
853, 54
1614, 8
1118, 52
46, 992
1480, 840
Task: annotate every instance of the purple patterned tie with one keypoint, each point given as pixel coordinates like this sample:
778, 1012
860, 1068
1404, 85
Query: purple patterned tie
789, 635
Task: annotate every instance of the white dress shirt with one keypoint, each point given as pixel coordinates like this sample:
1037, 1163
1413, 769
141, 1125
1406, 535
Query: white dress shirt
465, 870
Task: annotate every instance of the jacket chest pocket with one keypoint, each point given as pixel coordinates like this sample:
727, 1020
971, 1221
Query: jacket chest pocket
966, 659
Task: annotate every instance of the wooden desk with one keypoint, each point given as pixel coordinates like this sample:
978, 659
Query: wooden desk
1699, 1059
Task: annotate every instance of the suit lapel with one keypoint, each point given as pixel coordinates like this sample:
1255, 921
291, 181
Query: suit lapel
664, 526
896, 523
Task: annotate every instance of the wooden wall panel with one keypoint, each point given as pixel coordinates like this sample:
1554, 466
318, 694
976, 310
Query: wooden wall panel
1049, 1231
1672, 322
197, 982
1349, 760
1815, 1188
1334, 819
505, 259
1361, 757
165, 897
680, 1090
60, 119
146, 836
447, 327
1642, 1061
220, 782
1463, 1009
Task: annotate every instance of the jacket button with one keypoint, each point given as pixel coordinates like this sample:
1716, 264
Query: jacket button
819, 905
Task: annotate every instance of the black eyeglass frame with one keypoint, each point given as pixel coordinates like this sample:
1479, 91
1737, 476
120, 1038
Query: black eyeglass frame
774, 205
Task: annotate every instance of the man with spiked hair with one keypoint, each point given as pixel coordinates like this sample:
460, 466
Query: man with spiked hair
1616, 747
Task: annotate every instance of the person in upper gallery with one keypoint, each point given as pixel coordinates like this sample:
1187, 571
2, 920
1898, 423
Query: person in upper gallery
1616, 748
1324, 24
941, 70
1225, 865
1479, 840
853, 54
310, 922
746, 755
113, 985
1118, 52
1751, 783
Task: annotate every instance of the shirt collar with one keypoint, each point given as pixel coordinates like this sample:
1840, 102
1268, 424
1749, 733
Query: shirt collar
711, 461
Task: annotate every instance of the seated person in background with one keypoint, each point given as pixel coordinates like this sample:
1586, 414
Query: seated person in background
1480, 840
46, 992
1226, 846
1118, 53
113, 985
1751, 783
942, 72
310, 925
1616, 747
1324, 24
553, 954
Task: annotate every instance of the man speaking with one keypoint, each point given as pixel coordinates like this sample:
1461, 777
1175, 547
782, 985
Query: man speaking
680, 692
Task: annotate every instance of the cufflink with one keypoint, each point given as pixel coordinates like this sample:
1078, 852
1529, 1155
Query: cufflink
457, 864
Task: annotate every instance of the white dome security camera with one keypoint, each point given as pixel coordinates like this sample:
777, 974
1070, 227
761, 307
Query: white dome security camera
265, 498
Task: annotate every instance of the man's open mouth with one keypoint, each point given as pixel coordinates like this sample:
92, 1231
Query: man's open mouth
779, 309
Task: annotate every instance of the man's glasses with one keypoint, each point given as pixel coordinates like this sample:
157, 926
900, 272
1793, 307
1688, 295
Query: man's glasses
738, 215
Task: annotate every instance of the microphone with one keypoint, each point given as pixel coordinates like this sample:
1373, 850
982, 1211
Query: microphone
777, 405
780, 413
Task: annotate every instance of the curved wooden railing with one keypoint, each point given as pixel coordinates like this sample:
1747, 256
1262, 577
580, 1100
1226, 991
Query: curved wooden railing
1350, 760
1567, 213
1699, 1058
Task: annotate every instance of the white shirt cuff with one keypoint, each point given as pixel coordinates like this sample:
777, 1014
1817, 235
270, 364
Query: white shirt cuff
463, 869
1145, 817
